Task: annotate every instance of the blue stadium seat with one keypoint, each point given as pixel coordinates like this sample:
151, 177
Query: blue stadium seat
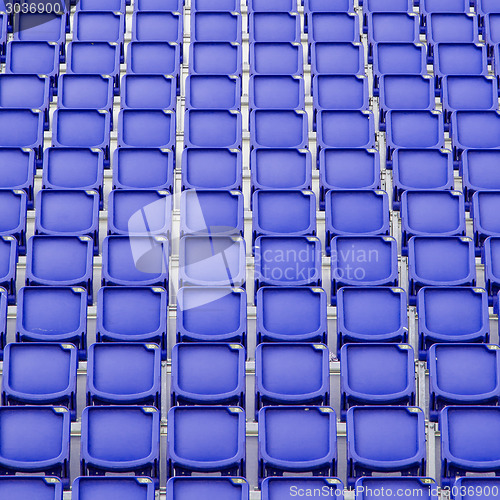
73, 168
82, 128
22, 128
60, 261
139, 212
211, 212
385, 439
101, 488
276, 6
287, 261
383, 6
337, 58
467, 487
17, 169
68, 213
274, 27
371, 314
132, 314
211, 314
208, 374
479, 171
283, 213
484, 212
3, 319
491, 256
213, 92
276, 58
124, 374
21, 487
469, 441
450, 384
345, 129
40, 374
491, 26
276, 92
369, 488
160, 5
148, 92
431, 6
291, 374
28, 58
475, 129
209, 128
222, 488
94, 58
35, 439
216, 27
215, 58
363, 212
206, 439
485, 7
136, 168
414, 129
297, 439
135, 261
13, 206
278, 129
212, 261
421, 169
451, 314
8, 262
157, 26
333, 27
53, 314
363, 261
376, 374
430, 213
3, 35
26, 91
120, 439
286, 314
109, 5
281, 168
276, 488
146, 128
212, 168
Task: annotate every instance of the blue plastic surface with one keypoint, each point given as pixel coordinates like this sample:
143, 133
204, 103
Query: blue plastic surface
160, 5
491, 260
491, 29
213, 92
110, 5
157, 26
371, 487
274, 27
485, 7
328, 5
13, 206
222, 488
276, 58
430, 6
17, 168
337, 58
208, 5
8, 262
101, 488
475, 129
156, 58
279, 129
216, 27
208, 128
21, 487
215, 58
149, 128
277, 488
333, 27
480, 171
3, 319
22, 128
276, 92
148, 92
464, 486
484, 213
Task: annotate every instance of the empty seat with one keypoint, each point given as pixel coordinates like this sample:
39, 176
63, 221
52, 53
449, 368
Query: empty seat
132, 314
17, 168
291, 374
333, 27
484, 211
480, 171
212, 128
356, 212
146, 128
286, 314
276, 58
208, 374
22, 128
491, 256
160, 5
3, 319
276, 92
211, 314
101, 488
210, 5
429, 213
40, 374
124, 374
464, 486
281, 168
371, 314
212, 168
376, 374
143, 168
20, 487
213, 92
53, 314
8, 262
148, 92
468, 441
382, 6
224, 488
491, 27
276, 6
421, 169
211, 212
283, 213
3, 35
337, 58
212, 260
297, 439
216, 27
475, 129
328, 5
287, 261
13, 206
120, 439
35, 439
385, 439
363, 261
274, 27
110, 5
157, 26
275, 488
430, 6
215, 58
485, 7
450, 384
371, 487
451, 314
206, 439
279, 129
156, 58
